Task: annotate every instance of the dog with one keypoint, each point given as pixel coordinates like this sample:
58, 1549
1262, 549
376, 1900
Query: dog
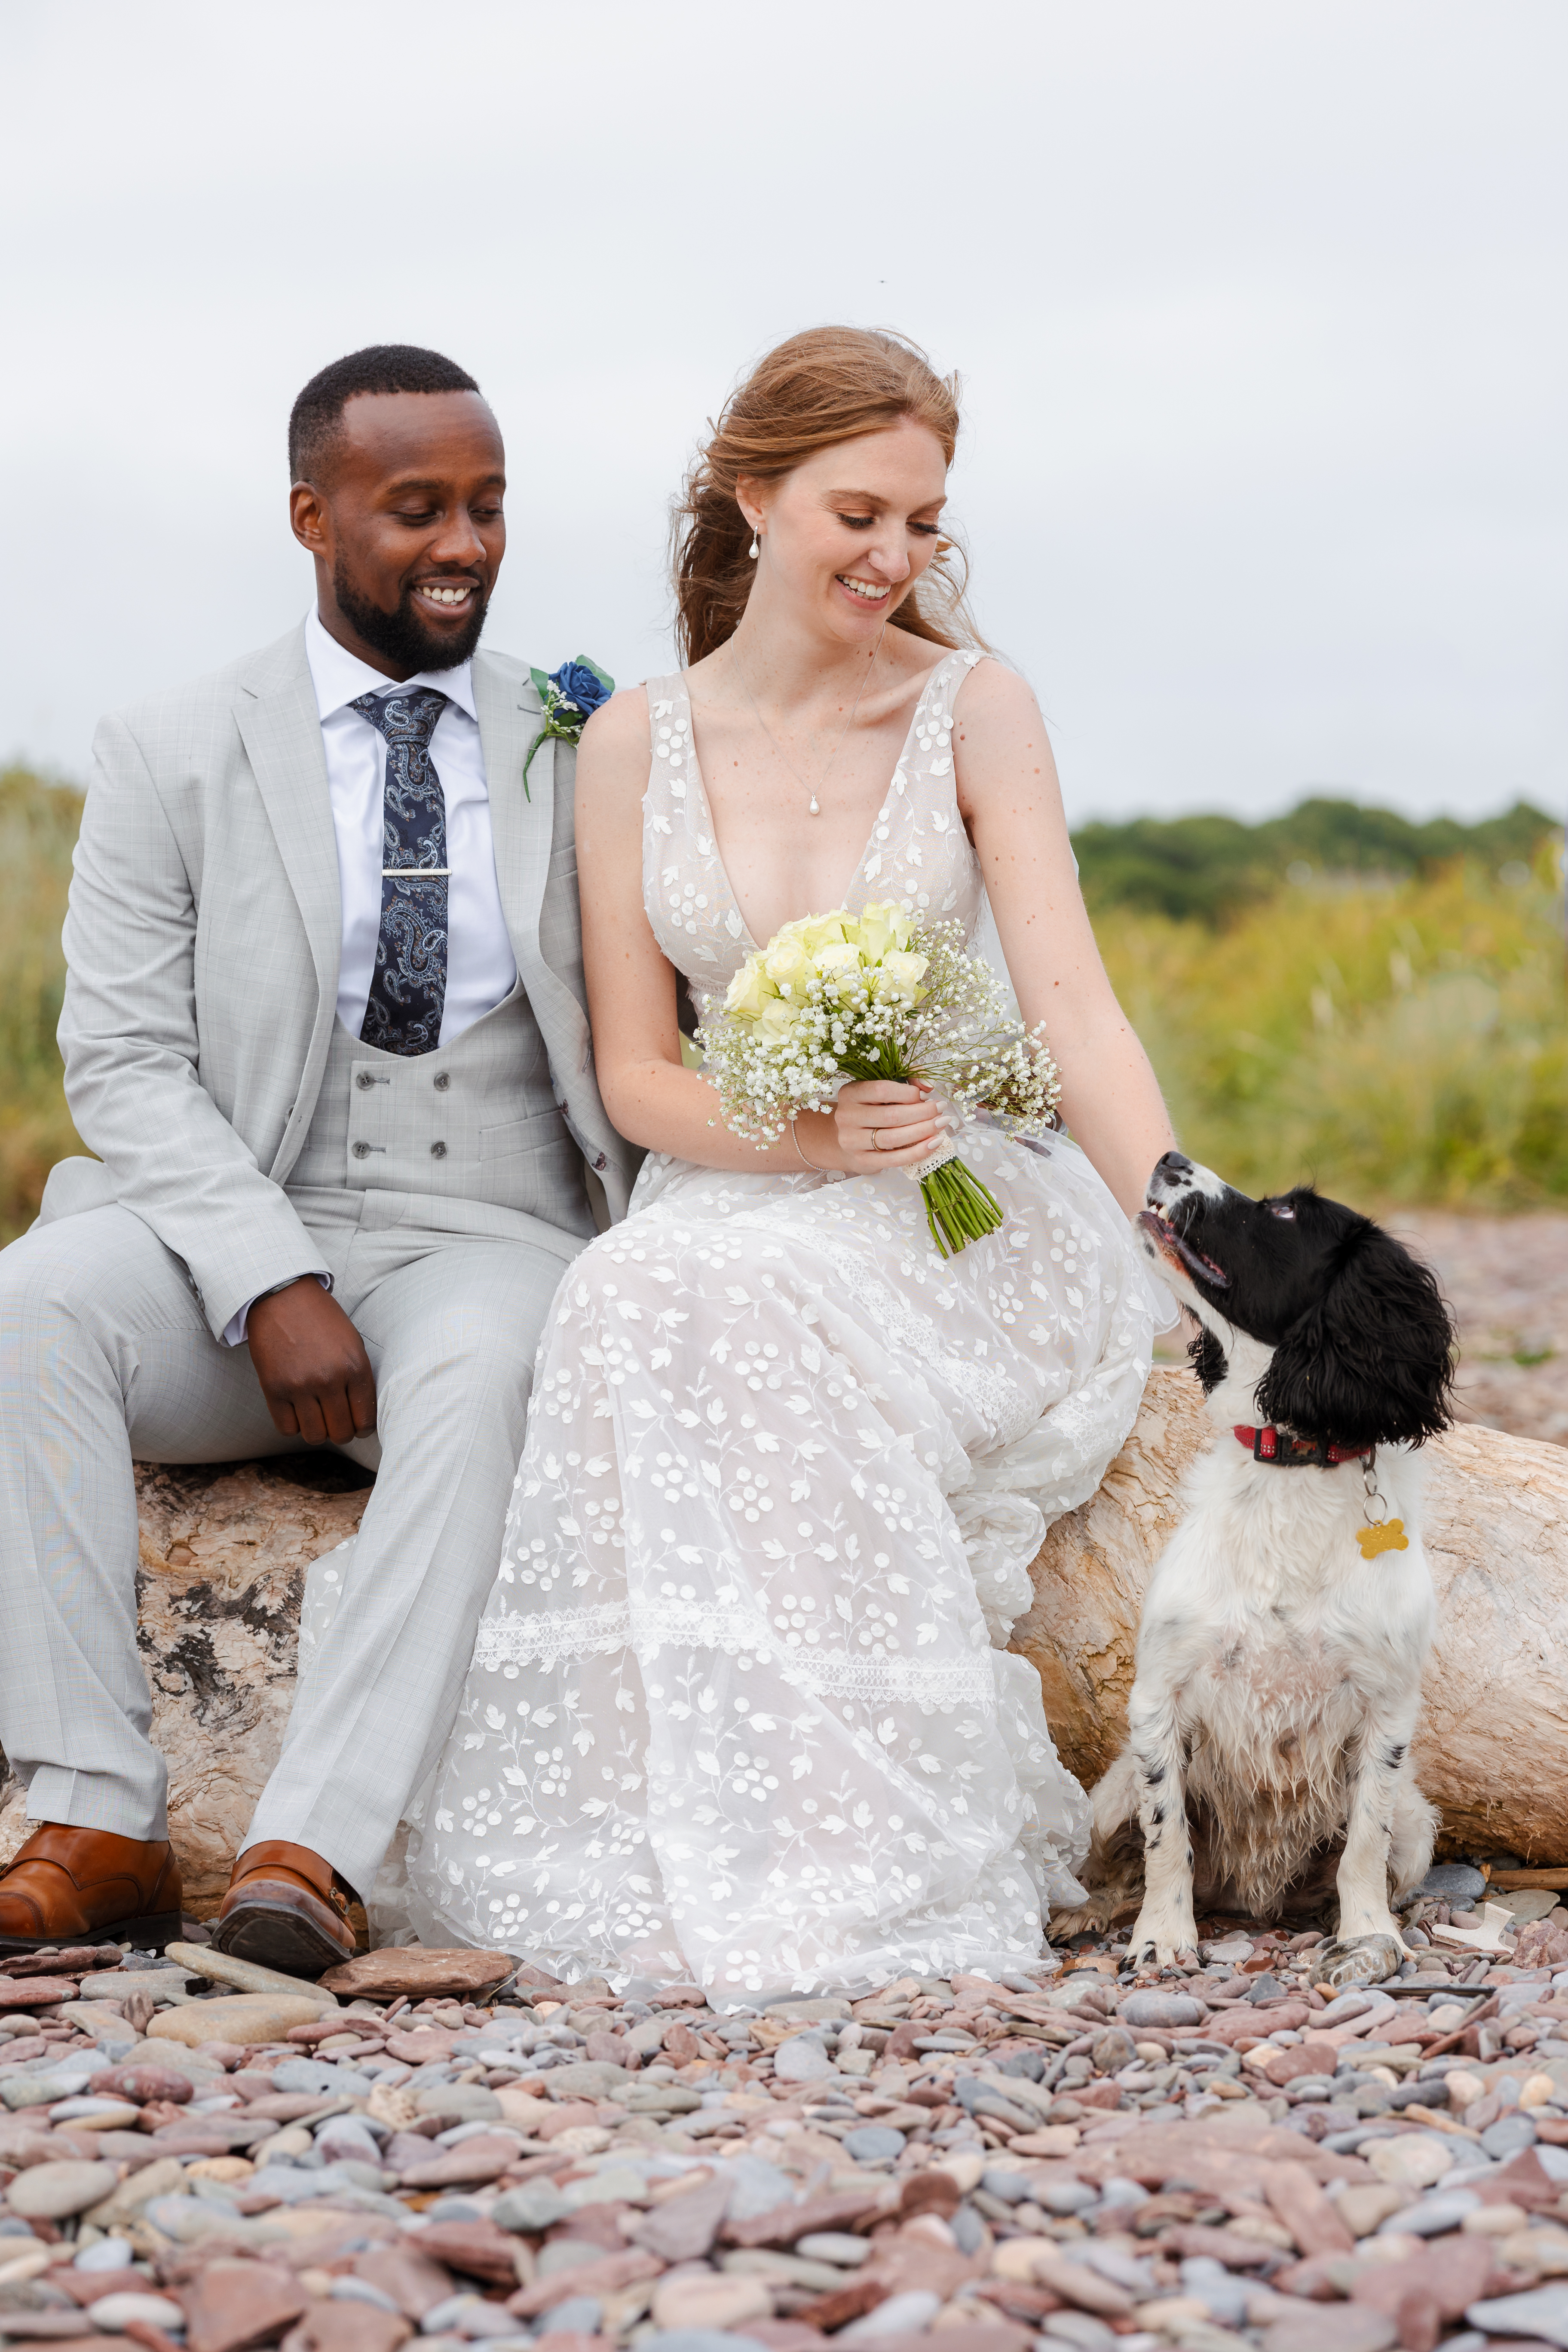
1284, 1632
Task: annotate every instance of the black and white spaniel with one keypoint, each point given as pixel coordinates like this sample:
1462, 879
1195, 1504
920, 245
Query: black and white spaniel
1287, 1624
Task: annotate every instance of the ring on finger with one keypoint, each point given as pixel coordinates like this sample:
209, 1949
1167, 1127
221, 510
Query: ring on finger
875, 1145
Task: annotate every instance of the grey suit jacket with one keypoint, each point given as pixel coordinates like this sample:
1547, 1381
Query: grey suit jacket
202, 942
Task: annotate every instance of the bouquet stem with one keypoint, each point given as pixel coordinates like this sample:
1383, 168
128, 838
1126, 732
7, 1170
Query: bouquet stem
959, 1209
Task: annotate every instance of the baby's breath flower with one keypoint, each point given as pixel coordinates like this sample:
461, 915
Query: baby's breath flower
881, 995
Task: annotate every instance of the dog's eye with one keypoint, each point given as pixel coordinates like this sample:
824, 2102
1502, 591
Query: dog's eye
1282, 1209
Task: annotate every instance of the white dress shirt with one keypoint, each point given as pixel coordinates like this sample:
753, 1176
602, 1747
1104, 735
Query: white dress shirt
482, 971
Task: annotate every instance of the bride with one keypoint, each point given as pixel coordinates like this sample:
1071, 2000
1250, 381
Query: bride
739, 1709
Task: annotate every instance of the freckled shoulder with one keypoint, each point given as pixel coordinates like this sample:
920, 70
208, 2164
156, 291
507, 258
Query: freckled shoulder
613, 759
993, 696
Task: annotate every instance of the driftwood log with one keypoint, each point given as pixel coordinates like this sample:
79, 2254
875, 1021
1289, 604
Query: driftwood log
225, 1551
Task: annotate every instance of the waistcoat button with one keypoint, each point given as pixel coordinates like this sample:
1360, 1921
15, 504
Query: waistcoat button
437, 1151
361, 1151
364, 1079
443, 1080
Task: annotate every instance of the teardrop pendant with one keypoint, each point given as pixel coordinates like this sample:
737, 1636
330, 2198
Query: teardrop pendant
814, 809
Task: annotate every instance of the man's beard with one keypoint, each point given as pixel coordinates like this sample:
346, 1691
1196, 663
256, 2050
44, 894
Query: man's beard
401, 637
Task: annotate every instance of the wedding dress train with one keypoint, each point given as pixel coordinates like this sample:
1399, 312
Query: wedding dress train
739, 1709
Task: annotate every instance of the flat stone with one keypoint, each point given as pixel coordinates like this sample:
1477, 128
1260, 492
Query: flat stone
1529, 1903
1542, 2313
1351, 2329
718, 2300
195, 2064
873, 2144
1416, 2160
42, 2090
165, 2176
531, 2209
425, 2045
54, 2192
410, 1968
1155, 2009
705, 2339
757, 2187
405, 2276
95, 2114
349, 2326
244, 1976
584, 2078
1508, 2135
36, 1992
683, 2229
306, 2074
802, 2059
473, 2165
116, 2310
232, 2304
825, 2010
158, 1984
246, 2019
141, 2083
910, 2313
463, 2103
835, 2246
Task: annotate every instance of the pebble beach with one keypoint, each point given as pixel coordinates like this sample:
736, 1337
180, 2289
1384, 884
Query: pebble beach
196, 2152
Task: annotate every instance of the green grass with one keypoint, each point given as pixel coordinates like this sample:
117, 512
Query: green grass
1396, 1027
38, 824
1403, 1044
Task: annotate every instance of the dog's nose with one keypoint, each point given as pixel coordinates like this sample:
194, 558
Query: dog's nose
1174, 1163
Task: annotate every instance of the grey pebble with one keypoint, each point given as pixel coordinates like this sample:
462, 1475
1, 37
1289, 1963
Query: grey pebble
1508, 2135
537, 2205
1160, 2009
873, 2144
802, 2059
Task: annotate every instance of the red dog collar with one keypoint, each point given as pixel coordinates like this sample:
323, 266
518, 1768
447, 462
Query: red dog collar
1288, 1453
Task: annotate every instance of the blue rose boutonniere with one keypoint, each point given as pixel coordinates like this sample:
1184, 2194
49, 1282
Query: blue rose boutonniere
571, 695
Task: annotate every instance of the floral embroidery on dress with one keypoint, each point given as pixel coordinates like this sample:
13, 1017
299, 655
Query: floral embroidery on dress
740, 1708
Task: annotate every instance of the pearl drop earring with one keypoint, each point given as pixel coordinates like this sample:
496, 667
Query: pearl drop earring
757, 535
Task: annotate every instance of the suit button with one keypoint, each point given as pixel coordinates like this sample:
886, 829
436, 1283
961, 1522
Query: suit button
437, 1151
443, 1080
361, 1151
364, 1079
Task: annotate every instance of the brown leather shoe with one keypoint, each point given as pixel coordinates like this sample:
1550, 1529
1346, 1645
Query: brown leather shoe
88, 1886
286, 1908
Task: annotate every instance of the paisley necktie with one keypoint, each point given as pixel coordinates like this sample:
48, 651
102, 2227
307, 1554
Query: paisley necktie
408, 991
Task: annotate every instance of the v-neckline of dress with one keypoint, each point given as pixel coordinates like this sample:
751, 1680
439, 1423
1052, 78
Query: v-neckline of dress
705, 806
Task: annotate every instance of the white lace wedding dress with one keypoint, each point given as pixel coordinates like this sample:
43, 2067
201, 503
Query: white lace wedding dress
739, 1709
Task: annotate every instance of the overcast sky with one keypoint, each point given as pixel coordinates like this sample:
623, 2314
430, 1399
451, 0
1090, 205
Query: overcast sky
1260, 311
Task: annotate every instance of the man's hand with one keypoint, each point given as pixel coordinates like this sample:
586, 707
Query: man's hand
311, 1364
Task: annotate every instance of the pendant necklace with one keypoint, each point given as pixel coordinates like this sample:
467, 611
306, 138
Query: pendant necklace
814, 807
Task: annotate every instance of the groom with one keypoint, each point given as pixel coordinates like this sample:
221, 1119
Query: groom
324, 1028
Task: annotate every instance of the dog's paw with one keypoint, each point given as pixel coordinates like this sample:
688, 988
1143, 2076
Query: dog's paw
1359, 1960
1159, 1939
1105, 1904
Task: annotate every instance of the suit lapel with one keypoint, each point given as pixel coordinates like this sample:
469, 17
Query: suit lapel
521, 825
282, 730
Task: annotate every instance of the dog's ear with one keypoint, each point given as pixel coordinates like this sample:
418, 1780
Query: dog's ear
1372, 1364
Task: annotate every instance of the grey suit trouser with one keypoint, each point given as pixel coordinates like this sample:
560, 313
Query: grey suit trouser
105, 1357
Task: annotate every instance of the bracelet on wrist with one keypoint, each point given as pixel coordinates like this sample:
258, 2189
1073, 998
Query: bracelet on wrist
801, 1149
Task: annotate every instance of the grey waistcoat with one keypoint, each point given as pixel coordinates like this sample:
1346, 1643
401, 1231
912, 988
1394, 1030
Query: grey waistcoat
468, 1139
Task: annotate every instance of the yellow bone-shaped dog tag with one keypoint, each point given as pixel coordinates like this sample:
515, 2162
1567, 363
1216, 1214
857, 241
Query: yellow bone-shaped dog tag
1388, 1536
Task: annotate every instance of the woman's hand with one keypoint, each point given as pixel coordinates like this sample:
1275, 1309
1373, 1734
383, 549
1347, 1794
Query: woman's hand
879, 1123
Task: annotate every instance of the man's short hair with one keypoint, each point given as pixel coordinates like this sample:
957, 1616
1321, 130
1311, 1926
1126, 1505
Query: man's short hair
316, 419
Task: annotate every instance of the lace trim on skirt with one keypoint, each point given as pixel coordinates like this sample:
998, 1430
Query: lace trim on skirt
542, 1639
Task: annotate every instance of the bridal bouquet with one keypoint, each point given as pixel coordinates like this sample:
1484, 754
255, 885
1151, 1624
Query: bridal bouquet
881, 995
